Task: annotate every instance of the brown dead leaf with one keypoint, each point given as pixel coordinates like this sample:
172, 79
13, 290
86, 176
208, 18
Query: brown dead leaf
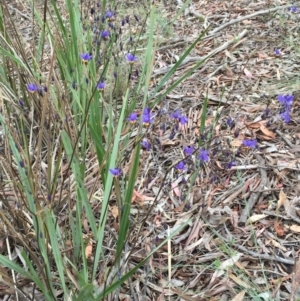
236, 142
281, 200
262, 55
89, 250
238, 281
263, 137
278, 228
252, 125
211, 195
254, 218
234, 219
115, 211
138, 197
295, 228
180, 208
266, 131
247, 22
228, 72
239, 296
194, 233
260, 207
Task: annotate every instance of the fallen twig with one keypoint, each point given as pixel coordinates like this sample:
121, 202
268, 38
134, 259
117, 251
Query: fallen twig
261, 12
265, 256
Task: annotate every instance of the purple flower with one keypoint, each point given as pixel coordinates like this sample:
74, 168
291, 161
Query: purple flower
188, 150
266, 113
101, 86
115, 171
250, 143
105, 34
86, 57
203, 155
230, 164
293, 9
286, 100
230, 122
109, 15
286, 116
176, 115
183, 120
146, 119
132, 117
32, 88
147, 116
145, 144
277, 52
131, 58
180, 166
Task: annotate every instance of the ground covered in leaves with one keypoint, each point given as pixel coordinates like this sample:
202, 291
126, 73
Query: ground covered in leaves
240, 212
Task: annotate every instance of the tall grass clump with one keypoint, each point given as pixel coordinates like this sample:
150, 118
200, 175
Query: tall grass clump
75, 113
80, 112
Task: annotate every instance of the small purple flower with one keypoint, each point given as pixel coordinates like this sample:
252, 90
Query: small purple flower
101, 86
86, 57
131, 58
180, 166
145, 144
188, 150
286, 116
147, 111
147, 116
230, 122
109, 15
146, 119
132, 118
277, 52
286, 100
293, 9
265, 113
250, 143
115, 171
32, 88
203, 155
105, 35
230, 164
183, 120
176, 115
21, 102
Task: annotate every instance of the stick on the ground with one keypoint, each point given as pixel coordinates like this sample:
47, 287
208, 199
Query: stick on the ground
261, 12
265, 256
254, 196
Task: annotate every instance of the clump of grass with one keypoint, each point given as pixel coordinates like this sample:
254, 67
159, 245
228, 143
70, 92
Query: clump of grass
77, 116
65, 104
